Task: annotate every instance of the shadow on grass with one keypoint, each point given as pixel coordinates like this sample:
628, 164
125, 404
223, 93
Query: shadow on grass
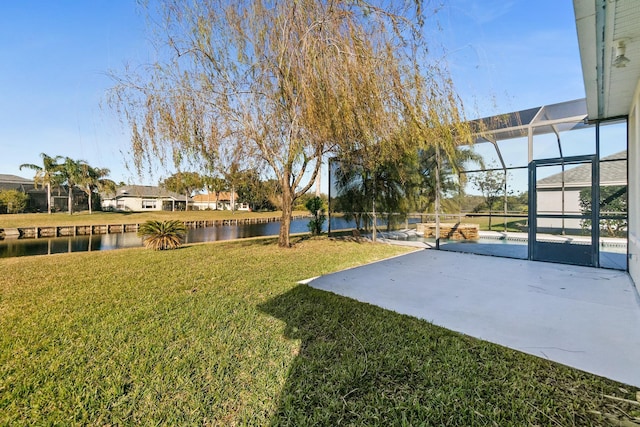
362, 365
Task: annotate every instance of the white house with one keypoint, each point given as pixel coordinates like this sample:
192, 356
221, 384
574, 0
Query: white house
219, 201
141, 198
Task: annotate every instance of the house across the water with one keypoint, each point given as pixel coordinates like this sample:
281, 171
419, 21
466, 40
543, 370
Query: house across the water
141, 198
218, 201
37, 201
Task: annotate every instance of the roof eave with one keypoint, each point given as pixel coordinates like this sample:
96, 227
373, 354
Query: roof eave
585, 13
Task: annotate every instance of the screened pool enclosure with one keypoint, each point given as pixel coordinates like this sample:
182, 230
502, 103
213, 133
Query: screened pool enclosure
541, 184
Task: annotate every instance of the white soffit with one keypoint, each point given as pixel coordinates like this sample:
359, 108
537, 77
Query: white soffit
601, 24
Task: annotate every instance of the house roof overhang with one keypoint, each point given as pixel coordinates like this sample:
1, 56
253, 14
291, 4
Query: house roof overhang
601, 25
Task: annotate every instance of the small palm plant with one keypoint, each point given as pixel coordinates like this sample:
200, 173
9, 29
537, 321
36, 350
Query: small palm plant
316, 207
162, 235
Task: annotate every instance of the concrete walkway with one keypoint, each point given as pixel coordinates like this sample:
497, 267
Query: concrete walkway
582, 317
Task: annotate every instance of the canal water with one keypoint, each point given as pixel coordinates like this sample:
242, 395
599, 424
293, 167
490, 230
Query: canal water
103, 242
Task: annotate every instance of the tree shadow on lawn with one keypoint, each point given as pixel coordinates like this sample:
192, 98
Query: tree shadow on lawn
362, 365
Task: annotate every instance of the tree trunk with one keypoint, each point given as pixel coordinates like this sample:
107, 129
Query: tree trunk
287, 210
233, 199
90, 202
49, 198
70, 202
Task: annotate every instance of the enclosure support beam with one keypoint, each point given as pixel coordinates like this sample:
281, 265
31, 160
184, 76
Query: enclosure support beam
562, 183
437, 207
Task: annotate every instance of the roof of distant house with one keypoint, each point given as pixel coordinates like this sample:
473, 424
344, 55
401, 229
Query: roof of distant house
223, 196
14, 178
144, 191
14, 182
611, 173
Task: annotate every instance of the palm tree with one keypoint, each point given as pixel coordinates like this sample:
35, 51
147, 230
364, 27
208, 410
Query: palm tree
93, 179
46, 175
412, 181
72, 172
106, 185
162, 235
446, 167
354, 191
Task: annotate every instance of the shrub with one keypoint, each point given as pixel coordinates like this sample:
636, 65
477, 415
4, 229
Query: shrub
162, 235
613, 201
315, 206
13, 201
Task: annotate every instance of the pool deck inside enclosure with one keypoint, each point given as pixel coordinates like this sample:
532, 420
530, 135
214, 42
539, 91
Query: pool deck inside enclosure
613, 251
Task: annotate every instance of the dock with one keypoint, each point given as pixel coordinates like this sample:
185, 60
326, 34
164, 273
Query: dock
35, 232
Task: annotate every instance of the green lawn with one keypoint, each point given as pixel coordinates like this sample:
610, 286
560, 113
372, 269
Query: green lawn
83, 218
516, 224
221, 334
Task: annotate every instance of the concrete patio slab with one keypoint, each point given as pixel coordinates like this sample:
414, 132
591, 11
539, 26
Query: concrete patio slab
582, 317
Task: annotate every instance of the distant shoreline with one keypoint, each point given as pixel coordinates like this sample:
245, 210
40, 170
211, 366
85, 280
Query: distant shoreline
61, 219
47, 231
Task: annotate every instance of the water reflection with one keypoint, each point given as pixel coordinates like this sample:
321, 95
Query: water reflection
56, 245
103, 242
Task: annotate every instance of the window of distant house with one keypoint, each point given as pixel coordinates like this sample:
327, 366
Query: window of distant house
120, 204
148, 204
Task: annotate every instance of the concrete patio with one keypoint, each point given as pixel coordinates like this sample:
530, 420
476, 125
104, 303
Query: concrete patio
582, 317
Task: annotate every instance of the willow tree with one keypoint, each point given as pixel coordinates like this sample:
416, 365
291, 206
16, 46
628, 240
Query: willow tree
279, 84
388, 168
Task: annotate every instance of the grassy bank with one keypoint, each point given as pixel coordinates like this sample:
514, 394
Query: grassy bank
83, 218
220, 334
514, 224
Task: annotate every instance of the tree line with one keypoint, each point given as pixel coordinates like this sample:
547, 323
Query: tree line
250, 188
58, 171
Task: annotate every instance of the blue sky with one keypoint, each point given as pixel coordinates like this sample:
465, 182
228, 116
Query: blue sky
511, 55
56, 54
